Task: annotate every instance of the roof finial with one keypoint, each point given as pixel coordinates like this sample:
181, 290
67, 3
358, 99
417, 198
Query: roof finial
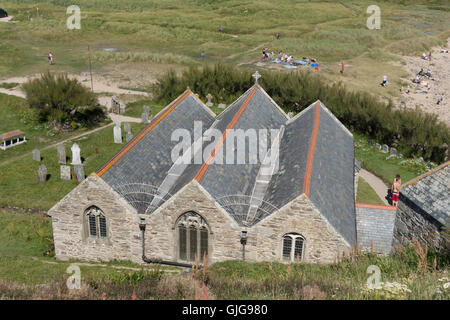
256, 75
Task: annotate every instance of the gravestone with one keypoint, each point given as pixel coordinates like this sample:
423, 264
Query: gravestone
65, 173
36, 155
209, 103
290, 115
378, 146
129, 136
222, 106
429, 165
420, 159
385, 148
42, 173
61, 154
146, 109
393, 152
122, 108
114, 104
79, 172
76, 159
400, 156
117, 133
144, 117
126, 127
369, 142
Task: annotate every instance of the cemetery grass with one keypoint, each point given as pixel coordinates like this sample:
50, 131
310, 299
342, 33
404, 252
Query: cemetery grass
366, 194
15, 114
175, 32
19, 186
28, 270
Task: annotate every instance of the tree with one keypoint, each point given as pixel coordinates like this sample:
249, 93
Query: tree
63, 101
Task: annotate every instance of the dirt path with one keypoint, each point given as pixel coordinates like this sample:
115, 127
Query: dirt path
375, 183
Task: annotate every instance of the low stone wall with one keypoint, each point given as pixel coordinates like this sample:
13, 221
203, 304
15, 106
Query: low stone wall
375, 227
413, 222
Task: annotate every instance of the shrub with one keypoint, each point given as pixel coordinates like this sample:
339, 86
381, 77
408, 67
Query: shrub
63, 100
412, 131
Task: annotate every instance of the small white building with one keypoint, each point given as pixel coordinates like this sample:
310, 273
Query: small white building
11, 139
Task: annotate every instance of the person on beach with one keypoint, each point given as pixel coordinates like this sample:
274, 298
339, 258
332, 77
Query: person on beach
50, 58
396, 189
384, 83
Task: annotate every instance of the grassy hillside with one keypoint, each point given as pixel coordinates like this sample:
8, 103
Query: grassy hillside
175, 32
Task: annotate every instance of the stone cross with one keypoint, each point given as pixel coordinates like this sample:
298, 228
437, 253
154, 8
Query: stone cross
76, 159
42, 173
79, 172
117, 133
209, 103
144, 117
36, 155
61, 154
385, 148
65, 173
256, 75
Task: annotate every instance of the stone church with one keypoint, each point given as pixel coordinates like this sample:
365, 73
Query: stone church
302, 211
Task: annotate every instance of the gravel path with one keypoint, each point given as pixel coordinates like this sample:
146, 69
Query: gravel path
376, 184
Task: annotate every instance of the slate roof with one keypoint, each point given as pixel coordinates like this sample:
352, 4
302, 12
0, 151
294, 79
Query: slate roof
431, 192
316, 158
147, 159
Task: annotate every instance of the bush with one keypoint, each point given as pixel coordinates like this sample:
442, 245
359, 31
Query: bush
413, 132
63, 100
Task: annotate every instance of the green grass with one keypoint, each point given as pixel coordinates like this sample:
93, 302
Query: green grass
19, 186
16, 114
175, 32
376, 162
366, 194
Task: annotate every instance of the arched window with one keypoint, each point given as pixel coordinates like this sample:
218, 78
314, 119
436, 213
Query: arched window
293, 247
192, 237
96, 222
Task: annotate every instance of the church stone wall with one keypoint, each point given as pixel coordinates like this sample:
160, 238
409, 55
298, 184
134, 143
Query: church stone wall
70, 232
265, 238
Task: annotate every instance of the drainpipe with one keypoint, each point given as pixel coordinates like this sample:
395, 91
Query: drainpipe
142, 226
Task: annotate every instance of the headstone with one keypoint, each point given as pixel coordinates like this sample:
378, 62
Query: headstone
122, 107
42, 173
378, 146
369, 142
290, 115
37, 155
144, 117
79, 172
429, 165
385, 148
147, 109
76, 159
114, 104
61, 154
209, 103
129, 136
126, 127
222, 106
393, 152
65, 173
420, 159
117, 133
400, 156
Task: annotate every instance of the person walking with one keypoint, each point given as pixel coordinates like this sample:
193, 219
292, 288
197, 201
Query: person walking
50, 58
396, 189
343, 67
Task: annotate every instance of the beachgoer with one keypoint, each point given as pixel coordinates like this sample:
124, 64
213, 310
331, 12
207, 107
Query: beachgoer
396, 189
424, 56
278, 36
384, 83
50, 58
220, 28
343, 67
440, 100
429, 56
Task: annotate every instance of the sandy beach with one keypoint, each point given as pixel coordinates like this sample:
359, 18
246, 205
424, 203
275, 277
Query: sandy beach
439, 85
